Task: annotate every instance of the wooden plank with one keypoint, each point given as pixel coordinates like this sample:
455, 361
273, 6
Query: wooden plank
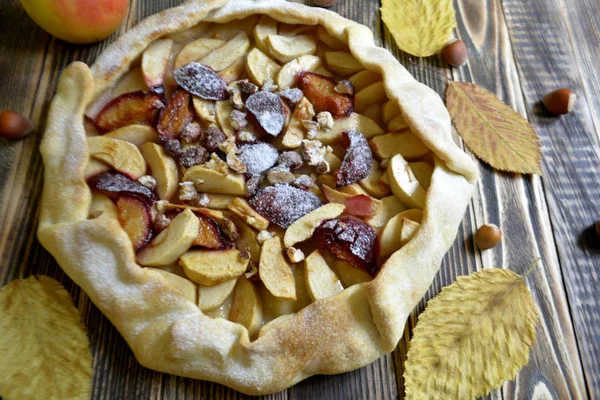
505, 200
571, 151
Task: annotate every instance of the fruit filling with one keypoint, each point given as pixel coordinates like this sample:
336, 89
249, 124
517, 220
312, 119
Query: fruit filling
263, 163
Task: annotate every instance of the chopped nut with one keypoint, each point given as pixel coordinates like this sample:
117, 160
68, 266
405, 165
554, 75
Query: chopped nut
236, 98
384, 163
245, 254
344, 87
311, 134
238, 119
173, 147
325, 120
304, 182
310, 125
148, 181
293, 95
203, 200
235, 164
294, 255
323, 167
214, 137
246, 137
280, 174
263, 236
312, 152
193, 156
290, 159
252, 271
246, 87
228, 145
160, 222
187, 191
269, 86
161, 206
192, 132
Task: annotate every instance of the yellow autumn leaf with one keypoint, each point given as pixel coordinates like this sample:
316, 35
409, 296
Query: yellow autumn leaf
472, 337
496, 133
45, 351
419, 27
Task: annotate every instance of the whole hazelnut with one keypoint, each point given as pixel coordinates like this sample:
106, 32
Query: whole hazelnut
13, 125
560, 101
488, 236
455, 53
324, 3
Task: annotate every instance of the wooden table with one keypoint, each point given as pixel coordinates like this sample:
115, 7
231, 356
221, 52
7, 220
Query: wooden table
519, 50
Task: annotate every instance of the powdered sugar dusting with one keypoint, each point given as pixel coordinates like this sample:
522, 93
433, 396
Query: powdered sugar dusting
258, 157
268, 110
202, 81
283, 204
357, 161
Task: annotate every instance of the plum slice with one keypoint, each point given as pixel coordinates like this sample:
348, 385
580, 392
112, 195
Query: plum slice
282, 204
320, 91
201, 81
113, 183
267, 110
127, 109
357, 162
210, 235
176, 116
135, 218
349, 239
258, 157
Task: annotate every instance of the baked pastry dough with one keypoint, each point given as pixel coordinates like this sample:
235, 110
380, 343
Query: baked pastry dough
169, 333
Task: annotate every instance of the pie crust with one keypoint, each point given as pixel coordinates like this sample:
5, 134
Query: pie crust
170, 334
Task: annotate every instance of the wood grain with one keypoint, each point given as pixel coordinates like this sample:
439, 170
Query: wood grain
516, 50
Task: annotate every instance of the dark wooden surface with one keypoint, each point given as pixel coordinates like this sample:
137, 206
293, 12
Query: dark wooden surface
519, 50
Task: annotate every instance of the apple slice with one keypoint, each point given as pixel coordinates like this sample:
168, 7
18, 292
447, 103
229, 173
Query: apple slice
155, 60
350, 275
274, 270
342, 63
260, 67
364, 78
405, 143
209, 267
219, 201
234, 72
390, 206
245, 211
303, 228
95, 167
403, 183
286, 48
320, 91
423, 172
196, 50
330, 41
135, 134
390, 111
320, 280
134, 216
354, 122
176, 115
205, 110
226, 54
372, 183
397, 124
207, 180
128, 109
409, 230
247, 240
294, 30
372, 94
266, 26
172, 242
246, 308
122, 156
186, 287
287, 75
293, 136
389, 240
212, 297
102, 207
223, 110
352, 190
132, 81
164, 170
374, 112
276, 312
360, 205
